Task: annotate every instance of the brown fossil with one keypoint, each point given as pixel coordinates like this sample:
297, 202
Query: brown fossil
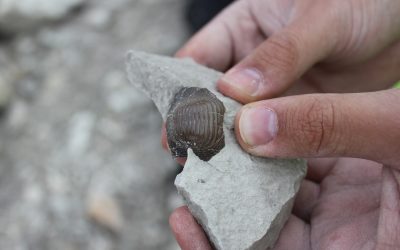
195, 120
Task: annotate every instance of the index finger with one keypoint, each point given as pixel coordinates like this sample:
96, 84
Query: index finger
220, 43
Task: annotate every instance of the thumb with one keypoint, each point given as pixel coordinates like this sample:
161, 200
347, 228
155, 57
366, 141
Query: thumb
275, 64
364, 125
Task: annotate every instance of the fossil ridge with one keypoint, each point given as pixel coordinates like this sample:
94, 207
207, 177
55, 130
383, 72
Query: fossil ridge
195, 120
241, 201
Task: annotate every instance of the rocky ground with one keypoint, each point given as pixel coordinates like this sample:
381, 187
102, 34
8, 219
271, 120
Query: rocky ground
81, 166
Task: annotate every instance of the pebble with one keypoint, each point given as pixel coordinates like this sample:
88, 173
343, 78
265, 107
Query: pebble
103, 209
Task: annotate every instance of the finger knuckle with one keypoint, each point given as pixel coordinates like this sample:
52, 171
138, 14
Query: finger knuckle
281, 53
316, 126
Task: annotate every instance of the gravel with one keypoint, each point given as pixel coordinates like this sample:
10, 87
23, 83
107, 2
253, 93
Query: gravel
81, 166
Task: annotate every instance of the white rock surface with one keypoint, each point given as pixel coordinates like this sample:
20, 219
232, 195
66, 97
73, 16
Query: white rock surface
241, 201
25, 14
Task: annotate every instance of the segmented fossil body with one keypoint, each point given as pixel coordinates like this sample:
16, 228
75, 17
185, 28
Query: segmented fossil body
195, 120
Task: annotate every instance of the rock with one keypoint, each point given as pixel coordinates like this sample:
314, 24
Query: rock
80, 132
98, 18
241, 201
17, 116
104, 210
26, 14
6, 94
75, 81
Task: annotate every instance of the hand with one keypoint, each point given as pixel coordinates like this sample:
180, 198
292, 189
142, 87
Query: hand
301, 46
315, 46
344, 203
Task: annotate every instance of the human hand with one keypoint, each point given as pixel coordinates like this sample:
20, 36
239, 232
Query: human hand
335, 46
301, 46
344, 203
301, 34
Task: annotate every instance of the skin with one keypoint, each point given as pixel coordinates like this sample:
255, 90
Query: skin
299, 53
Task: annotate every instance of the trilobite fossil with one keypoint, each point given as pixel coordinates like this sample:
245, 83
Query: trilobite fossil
195, 120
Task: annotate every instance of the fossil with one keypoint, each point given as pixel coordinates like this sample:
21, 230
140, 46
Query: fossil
195, 120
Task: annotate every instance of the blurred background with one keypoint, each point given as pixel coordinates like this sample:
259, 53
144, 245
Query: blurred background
81, 165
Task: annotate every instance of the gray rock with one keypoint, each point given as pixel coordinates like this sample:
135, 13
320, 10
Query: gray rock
25, 14
241, 201
81, 98
6, 93
98, 18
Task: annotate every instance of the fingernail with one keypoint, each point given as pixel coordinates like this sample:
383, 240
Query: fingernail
247, 80
258, 126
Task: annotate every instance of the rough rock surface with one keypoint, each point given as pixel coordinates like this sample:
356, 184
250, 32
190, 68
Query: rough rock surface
25, 14
241, 201
77, 135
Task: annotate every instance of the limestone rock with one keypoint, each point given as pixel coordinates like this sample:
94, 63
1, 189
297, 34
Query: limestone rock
241, 201
25, 14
